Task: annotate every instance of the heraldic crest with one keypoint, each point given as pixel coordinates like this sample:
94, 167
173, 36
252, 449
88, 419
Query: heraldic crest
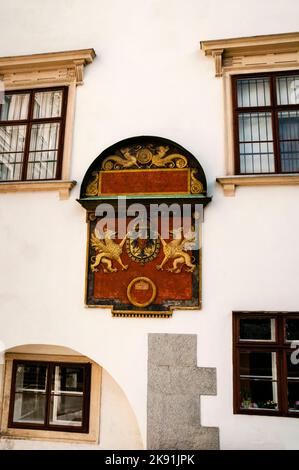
135, 265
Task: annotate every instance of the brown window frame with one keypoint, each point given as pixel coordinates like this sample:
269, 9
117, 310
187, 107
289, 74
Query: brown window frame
29, 121
279, 346
273, 108
46, 426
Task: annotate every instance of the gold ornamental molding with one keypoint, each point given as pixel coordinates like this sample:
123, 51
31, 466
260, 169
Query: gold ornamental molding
52, 68
253, 52
229, 183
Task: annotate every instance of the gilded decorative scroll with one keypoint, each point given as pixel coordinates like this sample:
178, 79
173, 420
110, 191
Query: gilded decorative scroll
196, 186
144, 156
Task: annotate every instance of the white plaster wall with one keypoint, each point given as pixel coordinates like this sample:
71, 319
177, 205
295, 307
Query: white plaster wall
149, 78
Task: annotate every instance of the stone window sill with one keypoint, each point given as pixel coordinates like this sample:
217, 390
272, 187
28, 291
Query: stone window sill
229, 183
63, 187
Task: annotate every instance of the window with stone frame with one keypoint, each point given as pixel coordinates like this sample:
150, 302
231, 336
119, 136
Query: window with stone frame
50, 396
32, 133
266, 122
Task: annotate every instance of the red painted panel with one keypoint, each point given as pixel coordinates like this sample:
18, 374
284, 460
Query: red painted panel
145, 182
170, 286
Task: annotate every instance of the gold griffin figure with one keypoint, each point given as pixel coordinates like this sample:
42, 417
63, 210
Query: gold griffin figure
175, 159
176, 250
116, 162
107, 251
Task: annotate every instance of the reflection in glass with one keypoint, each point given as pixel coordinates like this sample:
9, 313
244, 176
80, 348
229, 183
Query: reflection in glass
29, 407
15, 107
31, 377
287, 89
258, 379
289, 140
67, 396
293, 381
12, 142
66, 410
29, 400
257, 329
47, 104
256, 143
292, 329
253, 92
43, 152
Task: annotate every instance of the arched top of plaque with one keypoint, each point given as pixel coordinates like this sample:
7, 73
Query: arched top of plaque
144, 166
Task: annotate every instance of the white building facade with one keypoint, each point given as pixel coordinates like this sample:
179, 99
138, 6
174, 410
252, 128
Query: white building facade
146, 73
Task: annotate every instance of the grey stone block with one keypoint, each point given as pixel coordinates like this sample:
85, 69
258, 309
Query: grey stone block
174, 388
190, 437
179, 380
172, 350
196, 380
155, 416
181, 410
159, 379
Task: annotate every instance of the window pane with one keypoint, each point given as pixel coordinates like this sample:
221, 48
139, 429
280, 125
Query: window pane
257, 329
293, 365
293, 396
29, 407
12, 138
293, 380
15, 107
11, 166
259, 394
31, 377
258, 364
66, 410
44, 136
292, 329
256, 143
289, 140
67, 379
43, 153
258, 374
253, 92
12, 142
287, 89
67, 396
47, 104
42, 165
255, 127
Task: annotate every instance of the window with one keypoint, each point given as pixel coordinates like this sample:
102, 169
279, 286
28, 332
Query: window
266, 117
260, 110
266, 363
36, 120
50, 396
31, 134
